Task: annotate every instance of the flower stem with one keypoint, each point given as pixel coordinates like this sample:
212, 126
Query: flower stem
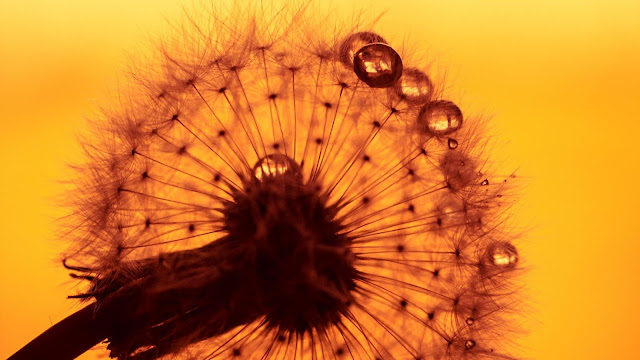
67, 339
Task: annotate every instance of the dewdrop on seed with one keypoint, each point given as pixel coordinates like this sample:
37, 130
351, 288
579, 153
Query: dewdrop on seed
377, 65
263, 192
414, 86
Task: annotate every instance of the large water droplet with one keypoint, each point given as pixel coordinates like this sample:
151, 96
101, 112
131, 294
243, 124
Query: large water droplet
453, 143
277, 166
440, 117
502, 254
414, 86
470, 321
354, 42
378, 65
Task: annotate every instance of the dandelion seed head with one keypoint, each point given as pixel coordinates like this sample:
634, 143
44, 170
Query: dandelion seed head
265, 190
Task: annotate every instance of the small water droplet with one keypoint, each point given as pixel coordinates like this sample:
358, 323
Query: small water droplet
453, 143
485, 182
458, 170
378, 65
354, 42
277, 166
502, 254
414, 86
470, 321
469, 344
440, 117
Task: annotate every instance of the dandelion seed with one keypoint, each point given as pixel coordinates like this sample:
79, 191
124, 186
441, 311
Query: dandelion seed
265, 193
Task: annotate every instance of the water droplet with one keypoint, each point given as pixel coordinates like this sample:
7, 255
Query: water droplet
440, 117
453, 143
414, 86
448, 211
355, 42
458, 170
470, 321
277, 166
502, 254
485, 182
469, 344
378, 65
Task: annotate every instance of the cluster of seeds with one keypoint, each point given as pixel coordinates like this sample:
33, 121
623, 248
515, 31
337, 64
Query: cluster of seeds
267, 193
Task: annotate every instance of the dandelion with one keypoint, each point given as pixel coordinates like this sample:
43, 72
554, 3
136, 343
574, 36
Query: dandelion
264, 191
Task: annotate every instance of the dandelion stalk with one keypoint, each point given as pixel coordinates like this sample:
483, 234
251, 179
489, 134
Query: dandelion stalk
67, 339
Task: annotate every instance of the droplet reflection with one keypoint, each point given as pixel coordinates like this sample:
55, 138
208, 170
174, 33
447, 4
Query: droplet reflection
352, 43
502, 254
277, 166
378, 65
440, 117
414, 86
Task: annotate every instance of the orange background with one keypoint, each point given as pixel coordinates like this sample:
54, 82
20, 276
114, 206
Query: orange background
560, 78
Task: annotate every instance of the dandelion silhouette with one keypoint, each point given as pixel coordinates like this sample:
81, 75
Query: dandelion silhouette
265, 192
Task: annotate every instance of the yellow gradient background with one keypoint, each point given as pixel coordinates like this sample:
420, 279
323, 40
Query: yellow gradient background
560, 79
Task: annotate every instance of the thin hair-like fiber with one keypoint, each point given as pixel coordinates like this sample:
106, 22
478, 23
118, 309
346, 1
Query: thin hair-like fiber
273, 184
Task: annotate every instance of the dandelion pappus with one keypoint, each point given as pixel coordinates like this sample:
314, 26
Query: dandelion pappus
264, 192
